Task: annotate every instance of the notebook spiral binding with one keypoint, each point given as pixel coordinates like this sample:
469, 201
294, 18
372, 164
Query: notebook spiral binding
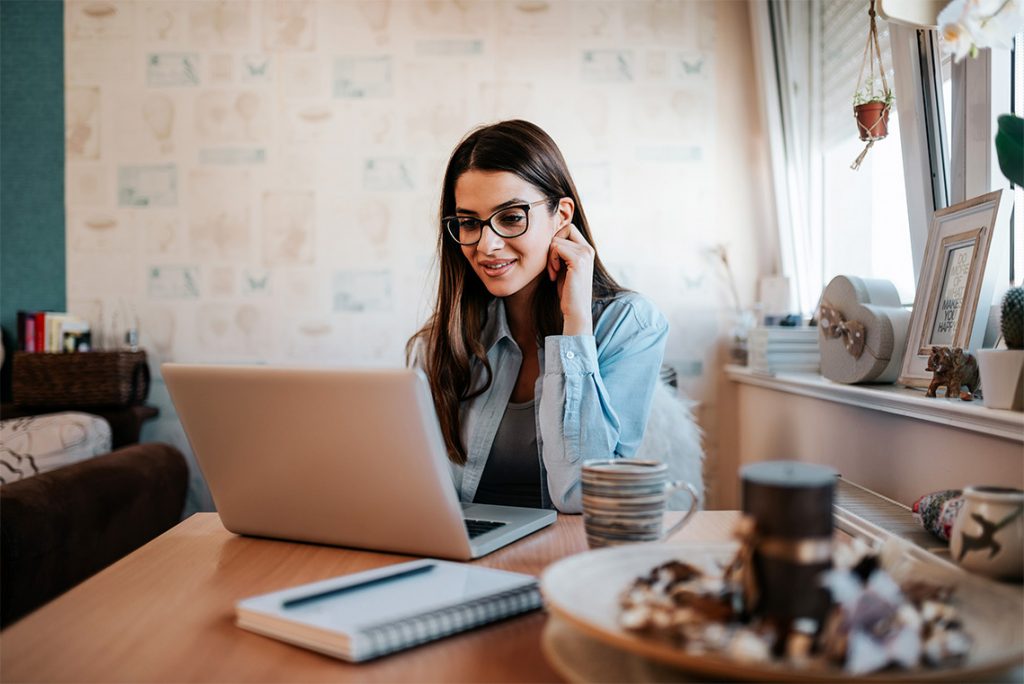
394, 636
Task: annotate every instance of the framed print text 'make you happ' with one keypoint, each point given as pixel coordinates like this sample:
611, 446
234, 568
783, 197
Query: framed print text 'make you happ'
953, 293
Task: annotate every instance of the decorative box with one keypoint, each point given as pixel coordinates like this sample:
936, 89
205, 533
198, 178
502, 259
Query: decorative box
93, 378
862, 330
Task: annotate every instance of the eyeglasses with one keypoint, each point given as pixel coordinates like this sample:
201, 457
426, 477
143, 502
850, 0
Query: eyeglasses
509, 222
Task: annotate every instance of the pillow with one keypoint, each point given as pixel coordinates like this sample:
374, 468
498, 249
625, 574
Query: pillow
936, 512
37, 444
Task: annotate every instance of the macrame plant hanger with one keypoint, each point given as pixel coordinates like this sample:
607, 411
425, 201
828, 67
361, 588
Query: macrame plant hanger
872, 119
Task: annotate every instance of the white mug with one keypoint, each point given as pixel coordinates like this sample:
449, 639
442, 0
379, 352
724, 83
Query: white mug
988, 535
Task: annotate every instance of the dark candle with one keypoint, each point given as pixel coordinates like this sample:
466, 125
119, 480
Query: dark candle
791, 505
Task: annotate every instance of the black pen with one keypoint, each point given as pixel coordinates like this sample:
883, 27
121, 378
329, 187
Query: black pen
300, 600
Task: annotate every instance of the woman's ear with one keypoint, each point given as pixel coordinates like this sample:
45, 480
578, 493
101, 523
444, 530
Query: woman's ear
566, 208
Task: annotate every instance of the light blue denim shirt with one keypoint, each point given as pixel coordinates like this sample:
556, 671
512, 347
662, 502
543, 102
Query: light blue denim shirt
593, 395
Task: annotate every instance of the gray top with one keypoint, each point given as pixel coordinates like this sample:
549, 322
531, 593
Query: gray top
593, 395
512, 474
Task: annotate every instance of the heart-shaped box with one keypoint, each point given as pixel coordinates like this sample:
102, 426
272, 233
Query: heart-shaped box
861, 316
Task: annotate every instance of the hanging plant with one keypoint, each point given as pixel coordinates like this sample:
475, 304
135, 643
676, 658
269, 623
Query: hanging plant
873, 98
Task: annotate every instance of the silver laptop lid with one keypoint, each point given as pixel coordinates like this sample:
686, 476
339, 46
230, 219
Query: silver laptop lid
334, 456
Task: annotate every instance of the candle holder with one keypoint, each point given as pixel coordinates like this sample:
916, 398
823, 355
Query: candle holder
790, 506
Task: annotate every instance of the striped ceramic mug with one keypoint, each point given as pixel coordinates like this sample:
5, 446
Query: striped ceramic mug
624, 501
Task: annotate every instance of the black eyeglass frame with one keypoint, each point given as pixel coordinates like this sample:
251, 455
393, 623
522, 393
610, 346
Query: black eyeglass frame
448, 221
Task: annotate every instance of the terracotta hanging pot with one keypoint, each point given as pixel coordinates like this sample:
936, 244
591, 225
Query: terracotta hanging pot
872, 99
872, 120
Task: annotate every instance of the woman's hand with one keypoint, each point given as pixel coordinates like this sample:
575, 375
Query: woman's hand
571, 263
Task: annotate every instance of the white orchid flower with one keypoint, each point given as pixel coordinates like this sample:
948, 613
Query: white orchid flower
968, 25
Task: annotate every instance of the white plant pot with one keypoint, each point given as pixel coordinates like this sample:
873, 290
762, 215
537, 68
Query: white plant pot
988, 535
1002, 378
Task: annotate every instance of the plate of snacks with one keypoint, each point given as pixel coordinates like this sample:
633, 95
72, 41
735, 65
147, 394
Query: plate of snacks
894, 615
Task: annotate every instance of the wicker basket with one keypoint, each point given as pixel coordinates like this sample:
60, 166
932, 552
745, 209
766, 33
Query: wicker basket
95, 378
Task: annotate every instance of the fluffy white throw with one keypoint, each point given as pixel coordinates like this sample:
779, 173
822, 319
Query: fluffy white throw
672, 436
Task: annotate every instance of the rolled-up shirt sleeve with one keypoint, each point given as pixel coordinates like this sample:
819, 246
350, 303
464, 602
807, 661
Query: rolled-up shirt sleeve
596, 397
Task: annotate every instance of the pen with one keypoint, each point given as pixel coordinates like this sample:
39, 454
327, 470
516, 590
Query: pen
301, 600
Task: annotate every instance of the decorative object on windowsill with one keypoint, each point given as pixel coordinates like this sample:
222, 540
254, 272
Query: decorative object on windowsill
953, 280
873, 98
1002, 370
937, 512
988, 536
743, 320
862, 330
784, 349
954, 369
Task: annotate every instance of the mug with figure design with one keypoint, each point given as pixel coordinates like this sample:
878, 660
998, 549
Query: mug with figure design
988, 535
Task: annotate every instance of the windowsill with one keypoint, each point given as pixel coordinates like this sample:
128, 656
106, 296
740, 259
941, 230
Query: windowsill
902, 401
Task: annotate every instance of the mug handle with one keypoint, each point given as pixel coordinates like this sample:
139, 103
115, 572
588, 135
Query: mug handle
694, 501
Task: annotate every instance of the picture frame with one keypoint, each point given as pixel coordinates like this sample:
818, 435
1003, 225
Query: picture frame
952, 284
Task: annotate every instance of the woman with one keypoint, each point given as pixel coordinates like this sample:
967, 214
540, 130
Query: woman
537, 358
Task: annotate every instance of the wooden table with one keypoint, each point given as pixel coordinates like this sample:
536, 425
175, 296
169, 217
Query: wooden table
165, 613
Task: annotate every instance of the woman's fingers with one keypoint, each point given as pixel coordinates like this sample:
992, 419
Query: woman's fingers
575, 235
554, 263
568, 245
571, 252
575, 259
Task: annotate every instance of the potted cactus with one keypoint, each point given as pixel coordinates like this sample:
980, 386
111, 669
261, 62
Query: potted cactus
1002, 370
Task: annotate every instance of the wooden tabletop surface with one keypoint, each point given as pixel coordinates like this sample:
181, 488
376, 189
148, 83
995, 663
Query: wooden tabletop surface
165, 613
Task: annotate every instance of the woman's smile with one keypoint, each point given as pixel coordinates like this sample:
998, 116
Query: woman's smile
495, 268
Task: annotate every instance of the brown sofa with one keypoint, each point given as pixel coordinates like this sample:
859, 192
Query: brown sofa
60, 527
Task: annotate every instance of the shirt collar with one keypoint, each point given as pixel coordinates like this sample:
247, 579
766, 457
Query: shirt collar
496, 327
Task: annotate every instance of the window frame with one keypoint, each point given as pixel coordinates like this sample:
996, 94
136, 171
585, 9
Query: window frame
933, 177
917, 66
971, 169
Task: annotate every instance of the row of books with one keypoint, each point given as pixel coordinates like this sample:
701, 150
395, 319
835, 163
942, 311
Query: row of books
784, 349
52, 331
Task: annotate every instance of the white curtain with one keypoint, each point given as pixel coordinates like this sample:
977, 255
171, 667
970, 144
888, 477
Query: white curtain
808, 59
784, 54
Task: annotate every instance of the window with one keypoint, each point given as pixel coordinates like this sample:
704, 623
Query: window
1016, 101
1017, 221
947, 94
863, 218
872, 222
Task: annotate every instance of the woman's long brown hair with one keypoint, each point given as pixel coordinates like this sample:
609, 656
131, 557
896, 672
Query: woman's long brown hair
445, 346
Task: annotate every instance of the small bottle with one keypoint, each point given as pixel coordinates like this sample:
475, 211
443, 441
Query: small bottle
123, 332
131, 338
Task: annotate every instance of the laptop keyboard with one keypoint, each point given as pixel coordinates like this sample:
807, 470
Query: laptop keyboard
478, 527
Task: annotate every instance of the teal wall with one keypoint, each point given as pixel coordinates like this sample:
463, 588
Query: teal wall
32, 269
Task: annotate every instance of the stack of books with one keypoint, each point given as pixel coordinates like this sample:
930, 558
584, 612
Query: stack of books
52, 331
784, 349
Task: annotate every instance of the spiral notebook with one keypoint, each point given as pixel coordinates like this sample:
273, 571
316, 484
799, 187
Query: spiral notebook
369, 614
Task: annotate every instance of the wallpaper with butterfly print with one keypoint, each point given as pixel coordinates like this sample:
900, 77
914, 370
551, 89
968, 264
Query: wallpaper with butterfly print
256, 180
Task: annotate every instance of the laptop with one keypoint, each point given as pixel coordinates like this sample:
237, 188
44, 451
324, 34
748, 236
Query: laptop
334, 456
